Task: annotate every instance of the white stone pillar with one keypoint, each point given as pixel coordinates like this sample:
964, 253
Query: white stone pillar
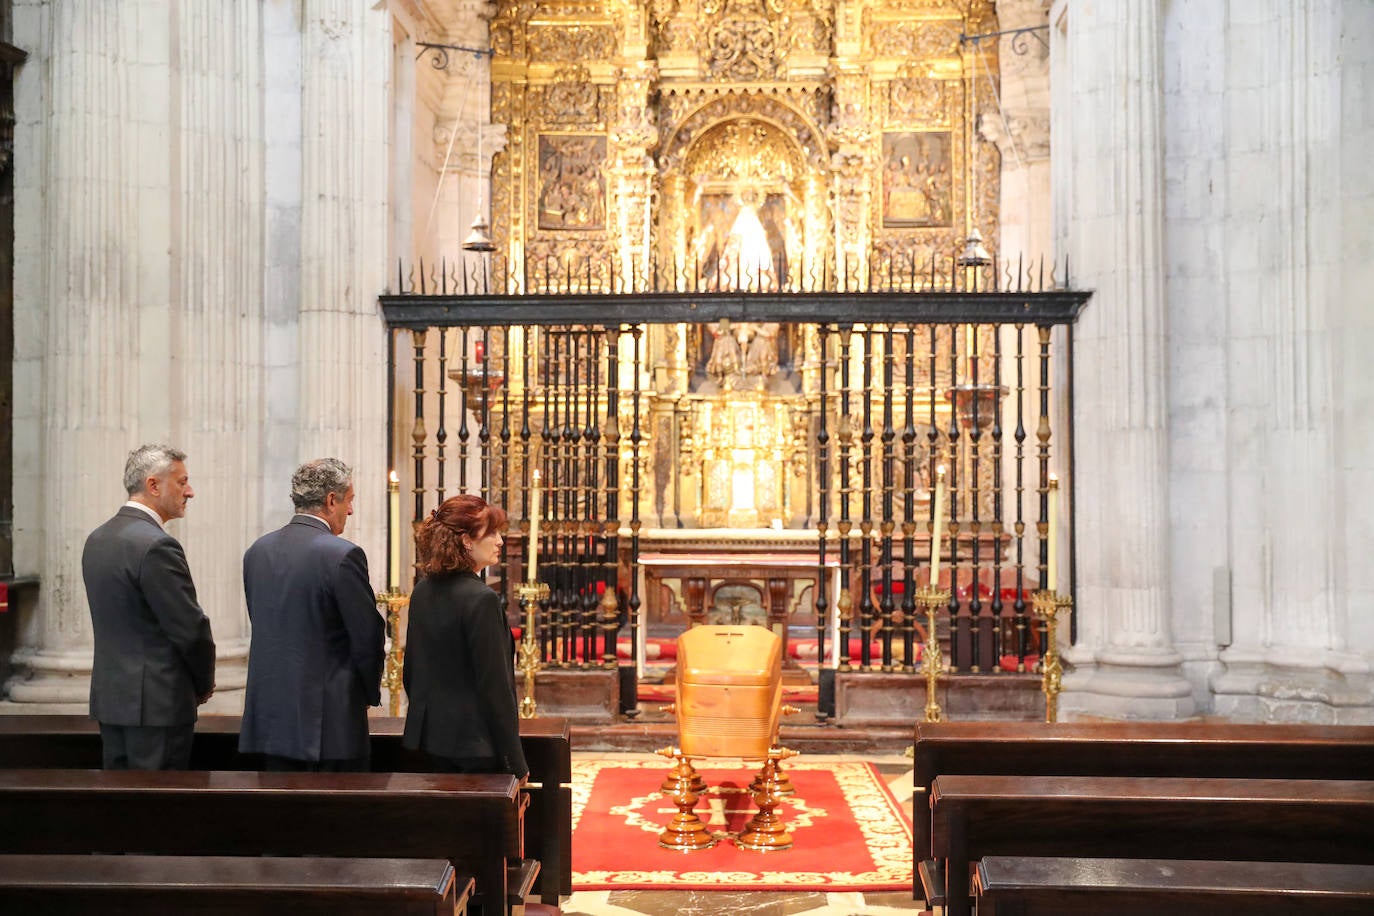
1111, 110
217, 290
92, 309
280, 439
1020, 126
347, 53
1285, 258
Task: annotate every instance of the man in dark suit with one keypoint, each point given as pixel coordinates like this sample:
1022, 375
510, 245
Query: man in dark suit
317, 650
154, 655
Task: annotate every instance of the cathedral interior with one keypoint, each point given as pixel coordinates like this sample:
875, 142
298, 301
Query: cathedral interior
1005, 360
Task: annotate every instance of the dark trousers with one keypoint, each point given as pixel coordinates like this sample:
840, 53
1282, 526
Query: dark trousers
146, 747
274, 764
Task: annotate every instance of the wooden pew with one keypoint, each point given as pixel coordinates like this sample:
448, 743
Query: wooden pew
473, 821
1043, 886
59, 885
73, 742
1261, 820
1126, 749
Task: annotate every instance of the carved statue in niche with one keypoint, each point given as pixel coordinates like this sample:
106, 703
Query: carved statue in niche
744, 357
916, 179
572, 188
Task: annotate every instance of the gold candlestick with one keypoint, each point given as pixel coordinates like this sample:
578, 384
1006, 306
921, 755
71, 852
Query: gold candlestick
392, 680
931, 598
530, 594
1047, 606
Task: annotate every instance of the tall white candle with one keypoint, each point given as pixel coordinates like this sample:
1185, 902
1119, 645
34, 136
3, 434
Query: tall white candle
939, 532
1052, 565
533, 512
393, 490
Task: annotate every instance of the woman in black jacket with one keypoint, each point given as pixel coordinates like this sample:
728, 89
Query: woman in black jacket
459, 675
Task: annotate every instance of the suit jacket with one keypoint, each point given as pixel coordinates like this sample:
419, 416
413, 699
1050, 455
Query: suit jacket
317, 649
459, 673
154, 655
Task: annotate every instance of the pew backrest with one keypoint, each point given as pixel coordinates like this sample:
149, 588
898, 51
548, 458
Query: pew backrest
1130, 817
473, 821
1048, 886
73, 742
55, 885
1165, 749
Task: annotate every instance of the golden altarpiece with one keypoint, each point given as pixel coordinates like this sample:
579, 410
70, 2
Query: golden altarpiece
739, 152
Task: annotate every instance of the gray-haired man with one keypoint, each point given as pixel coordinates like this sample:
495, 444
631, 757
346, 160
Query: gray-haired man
154, 655
316, 655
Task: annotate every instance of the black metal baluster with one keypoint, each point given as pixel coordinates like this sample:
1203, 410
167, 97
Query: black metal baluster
866, 608
484, 420
463, 414
825, 706
441, 434
1019, 607
846, 599
636, 437
909, 515
886, 605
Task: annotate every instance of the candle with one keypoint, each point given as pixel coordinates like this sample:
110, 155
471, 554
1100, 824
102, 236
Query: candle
938, 535
393, 491
480, 351
532, 511
1052, 565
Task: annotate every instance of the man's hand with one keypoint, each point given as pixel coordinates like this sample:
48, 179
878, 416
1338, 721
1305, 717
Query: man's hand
201, 701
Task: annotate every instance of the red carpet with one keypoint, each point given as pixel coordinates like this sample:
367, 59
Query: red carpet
848, 831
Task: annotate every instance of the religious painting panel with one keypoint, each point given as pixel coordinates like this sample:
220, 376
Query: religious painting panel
917, 170
571, 182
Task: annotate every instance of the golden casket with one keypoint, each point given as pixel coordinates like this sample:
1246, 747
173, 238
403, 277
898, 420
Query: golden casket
729, 691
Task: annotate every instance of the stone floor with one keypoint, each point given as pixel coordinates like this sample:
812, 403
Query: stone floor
896, 769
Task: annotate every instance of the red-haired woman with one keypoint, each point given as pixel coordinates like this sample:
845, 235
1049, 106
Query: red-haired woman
458, 671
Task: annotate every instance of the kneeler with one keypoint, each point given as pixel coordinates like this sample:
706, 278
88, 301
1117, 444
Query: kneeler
729, 701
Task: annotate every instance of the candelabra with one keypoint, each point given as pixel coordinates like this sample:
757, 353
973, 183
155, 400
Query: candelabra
931, 599
1047, 605
395, 658
530, 594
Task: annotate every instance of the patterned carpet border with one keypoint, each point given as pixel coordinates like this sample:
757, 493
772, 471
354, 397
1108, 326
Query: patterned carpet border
876, 817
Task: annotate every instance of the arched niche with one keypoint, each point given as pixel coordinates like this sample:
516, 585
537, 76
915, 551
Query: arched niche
743, 198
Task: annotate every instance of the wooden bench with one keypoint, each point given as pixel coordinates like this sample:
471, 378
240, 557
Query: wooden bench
1125, 749
1042, 886
473, 821
1263, 820
73, 742
58, 885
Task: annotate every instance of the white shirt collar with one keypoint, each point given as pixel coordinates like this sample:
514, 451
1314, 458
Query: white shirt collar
151, 513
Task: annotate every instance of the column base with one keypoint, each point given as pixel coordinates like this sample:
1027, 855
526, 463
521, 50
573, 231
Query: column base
1255, 690
1125, 684
60, 682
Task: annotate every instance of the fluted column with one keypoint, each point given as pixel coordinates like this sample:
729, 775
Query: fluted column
218, 292
1283, 246
1020, 126
1111, 109
91, 304
346, 47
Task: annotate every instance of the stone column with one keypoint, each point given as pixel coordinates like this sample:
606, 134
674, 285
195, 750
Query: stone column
1020, 126
1283, 308
93, 322
346, 47
217, 290
1109, 110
